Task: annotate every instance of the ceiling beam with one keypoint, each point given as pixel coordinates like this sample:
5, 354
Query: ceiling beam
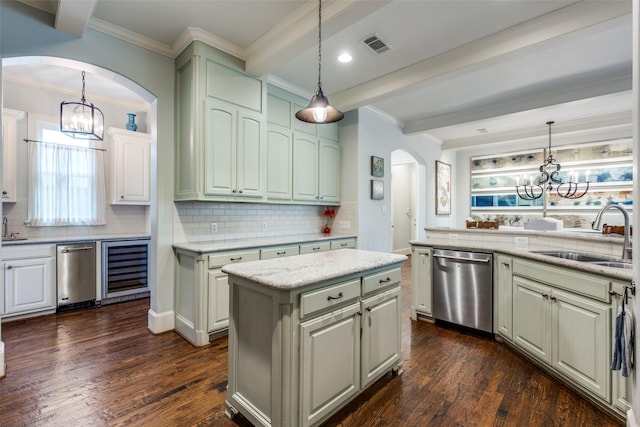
560, 23
73, 16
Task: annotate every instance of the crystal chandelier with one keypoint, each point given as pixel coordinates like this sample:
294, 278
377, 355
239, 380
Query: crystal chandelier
549, 180
81, 120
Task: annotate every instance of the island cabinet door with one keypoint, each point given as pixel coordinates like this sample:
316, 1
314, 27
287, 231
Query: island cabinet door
381, 349
531, 318
504, 299
330, 363
581, 340
218, 301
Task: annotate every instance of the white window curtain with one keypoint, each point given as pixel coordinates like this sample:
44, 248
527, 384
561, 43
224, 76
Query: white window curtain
66, 185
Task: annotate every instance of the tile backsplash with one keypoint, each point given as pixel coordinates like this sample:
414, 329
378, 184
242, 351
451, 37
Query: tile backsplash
192, 221
119, 220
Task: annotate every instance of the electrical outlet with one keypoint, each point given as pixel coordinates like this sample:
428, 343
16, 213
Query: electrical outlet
214, 227
344, 225
453, 237
264, 226
307, 225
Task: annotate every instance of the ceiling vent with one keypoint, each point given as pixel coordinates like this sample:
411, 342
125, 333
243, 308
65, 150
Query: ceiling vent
376, 43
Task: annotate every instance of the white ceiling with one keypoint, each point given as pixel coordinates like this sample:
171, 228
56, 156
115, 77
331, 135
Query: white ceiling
454, 67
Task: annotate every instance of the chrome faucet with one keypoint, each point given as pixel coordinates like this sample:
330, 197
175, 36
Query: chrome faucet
5, 227
597, 223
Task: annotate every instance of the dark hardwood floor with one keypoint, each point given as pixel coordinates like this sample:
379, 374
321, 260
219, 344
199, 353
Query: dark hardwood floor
102, 367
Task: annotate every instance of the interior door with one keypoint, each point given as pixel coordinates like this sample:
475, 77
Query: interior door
402, 212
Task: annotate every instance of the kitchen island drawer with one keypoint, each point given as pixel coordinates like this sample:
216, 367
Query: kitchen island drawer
315, 247
380, 280
279, 252
329, 297
218, 260
343, 244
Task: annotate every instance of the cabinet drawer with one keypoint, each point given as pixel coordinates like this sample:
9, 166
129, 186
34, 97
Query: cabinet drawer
27, 251
380, 280
279, 252
342, 244
575, 281
331, 296
218, 260
314, 247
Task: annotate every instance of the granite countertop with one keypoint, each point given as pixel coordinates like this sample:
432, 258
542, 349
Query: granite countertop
511, 249
78, 238
566, 233
226, 245
302, 270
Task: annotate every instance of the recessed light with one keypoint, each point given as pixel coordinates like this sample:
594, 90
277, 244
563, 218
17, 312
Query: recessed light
345, 57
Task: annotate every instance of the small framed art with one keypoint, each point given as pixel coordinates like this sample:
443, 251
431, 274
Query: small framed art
377, 189
443, 188
377, 166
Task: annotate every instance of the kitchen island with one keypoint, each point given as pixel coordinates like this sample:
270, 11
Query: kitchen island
308, 333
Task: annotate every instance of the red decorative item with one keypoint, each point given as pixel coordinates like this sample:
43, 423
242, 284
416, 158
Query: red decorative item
328, 214
327, 230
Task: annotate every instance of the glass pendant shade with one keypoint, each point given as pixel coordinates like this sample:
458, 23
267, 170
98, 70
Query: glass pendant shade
319, 110
81, 120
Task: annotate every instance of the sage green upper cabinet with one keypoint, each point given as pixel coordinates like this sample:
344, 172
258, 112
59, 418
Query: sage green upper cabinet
221, 129
303, 159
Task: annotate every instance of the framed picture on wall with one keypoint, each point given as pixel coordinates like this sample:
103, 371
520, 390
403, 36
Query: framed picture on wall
377, 166
377, 189
443, 188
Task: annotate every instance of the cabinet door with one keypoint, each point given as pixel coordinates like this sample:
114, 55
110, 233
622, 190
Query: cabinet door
421, 282
622, 386
279, 164
504, 303
531, 317
131, 169
381, 349
9, 150
305, 168
218, 301
330, 362
249, 155
329, 171
219, 150
581, 340
29, 285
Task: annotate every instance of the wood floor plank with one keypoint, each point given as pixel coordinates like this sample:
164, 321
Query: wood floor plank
102, 367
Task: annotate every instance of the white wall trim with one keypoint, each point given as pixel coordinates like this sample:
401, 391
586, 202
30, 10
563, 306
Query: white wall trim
631, 419
158, 323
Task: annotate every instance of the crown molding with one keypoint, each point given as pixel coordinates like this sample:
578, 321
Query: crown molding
197, 33
130, 36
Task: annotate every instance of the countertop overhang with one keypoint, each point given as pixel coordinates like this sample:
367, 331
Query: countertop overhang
303, 270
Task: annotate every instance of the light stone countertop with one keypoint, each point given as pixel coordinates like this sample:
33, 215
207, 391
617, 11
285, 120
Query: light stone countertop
77, 238
566, 233
511, 249
227, 245
303, 270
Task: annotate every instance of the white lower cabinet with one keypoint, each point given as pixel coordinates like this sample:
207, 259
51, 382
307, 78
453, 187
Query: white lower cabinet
569, 332
421, 282
504, 296
218, 316
29, 281
330, 362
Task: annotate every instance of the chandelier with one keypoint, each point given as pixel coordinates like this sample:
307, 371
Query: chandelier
319, 111
549, 180
81, 120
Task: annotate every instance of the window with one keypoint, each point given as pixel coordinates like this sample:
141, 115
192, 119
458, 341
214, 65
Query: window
66, 178
607, 165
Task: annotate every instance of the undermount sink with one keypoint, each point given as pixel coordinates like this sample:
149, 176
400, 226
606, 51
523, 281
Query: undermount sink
587, 258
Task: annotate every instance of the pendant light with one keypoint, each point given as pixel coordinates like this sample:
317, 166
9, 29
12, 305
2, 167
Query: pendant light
81, 120
550, 176
319, 111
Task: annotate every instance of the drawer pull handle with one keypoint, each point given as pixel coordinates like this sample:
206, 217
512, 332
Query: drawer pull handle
315, 249
614, 294
545, 296
235, 259
344, 245
281, 253
506, 264
329, 298
369, 309
553, 298
387, 280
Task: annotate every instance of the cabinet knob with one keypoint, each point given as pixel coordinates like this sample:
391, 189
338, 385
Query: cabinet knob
9, 267
5, 193
240, 191
553, 298
545, 296
506, 265
233, 191
122, 197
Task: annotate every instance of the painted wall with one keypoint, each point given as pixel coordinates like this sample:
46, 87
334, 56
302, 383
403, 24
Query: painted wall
25, 31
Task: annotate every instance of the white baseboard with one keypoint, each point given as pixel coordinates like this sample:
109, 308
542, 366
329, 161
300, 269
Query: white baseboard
2, 367
631, 419
160, 322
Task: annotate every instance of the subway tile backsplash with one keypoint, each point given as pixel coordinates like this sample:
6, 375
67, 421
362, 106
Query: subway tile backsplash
192, 221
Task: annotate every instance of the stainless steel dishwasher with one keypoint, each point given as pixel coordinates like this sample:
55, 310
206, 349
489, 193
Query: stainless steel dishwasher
76, 265
463, 288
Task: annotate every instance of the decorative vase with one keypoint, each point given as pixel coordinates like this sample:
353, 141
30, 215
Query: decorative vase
326, 230
131, 124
